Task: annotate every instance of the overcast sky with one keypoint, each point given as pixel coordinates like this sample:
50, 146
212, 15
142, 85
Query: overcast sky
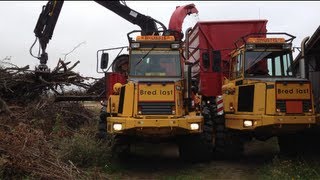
99, 28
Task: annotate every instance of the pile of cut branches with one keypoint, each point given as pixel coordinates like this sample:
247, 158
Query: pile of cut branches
30, 120
50, 116
98, 87
22, 85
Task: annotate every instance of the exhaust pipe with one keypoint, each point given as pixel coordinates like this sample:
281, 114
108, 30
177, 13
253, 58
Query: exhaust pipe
186, 50
188, 71
302, 64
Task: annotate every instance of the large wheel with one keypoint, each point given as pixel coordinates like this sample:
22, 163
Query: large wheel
193, 149
219, 136
120, 147
198, 148
187, 148
102, 125
227, 144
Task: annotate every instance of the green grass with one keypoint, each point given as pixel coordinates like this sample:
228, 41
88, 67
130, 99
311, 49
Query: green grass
296, 168
85, 151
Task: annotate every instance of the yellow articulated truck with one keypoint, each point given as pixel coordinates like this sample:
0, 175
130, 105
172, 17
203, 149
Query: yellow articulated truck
152, 104
263, 97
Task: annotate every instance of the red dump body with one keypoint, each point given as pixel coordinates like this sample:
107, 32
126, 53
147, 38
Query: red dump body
206, 37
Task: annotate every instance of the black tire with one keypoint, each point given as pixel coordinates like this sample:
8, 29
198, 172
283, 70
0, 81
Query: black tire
102, 125
207, 134
227, 144
193, 149
120, 147
234, 145
187, 148
198, 148
219, 135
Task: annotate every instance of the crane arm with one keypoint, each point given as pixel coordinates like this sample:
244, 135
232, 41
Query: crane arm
51, 11
146, 23
44, 28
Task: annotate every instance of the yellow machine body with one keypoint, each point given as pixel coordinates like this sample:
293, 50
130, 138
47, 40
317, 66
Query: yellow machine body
139, 96
273, 101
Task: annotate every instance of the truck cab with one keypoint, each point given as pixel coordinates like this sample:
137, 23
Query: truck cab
152, 104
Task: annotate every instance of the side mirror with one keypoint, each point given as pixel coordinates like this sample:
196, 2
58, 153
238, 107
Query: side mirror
104, 60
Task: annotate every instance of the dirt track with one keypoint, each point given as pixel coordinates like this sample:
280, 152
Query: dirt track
163, 163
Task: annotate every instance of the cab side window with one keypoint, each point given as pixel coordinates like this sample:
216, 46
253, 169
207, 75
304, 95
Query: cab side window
239, 65
236, 69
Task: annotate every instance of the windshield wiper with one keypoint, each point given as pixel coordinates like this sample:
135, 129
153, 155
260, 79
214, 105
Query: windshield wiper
144, 56
258, 57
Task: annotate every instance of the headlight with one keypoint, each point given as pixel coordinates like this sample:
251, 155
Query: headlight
173, 109
286, 46
194, 126
247, 123
175, 46
250, 46
135, 45
117, 127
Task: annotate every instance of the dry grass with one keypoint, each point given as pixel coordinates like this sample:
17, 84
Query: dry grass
32, 137
26, 152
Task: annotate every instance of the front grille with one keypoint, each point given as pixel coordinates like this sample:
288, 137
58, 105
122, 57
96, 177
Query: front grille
155, 108
246, 98
281, 105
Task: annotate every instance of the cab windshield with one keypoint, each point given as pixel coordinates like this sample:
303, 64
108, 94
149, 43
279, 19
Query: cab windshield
155, 63
268, 63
